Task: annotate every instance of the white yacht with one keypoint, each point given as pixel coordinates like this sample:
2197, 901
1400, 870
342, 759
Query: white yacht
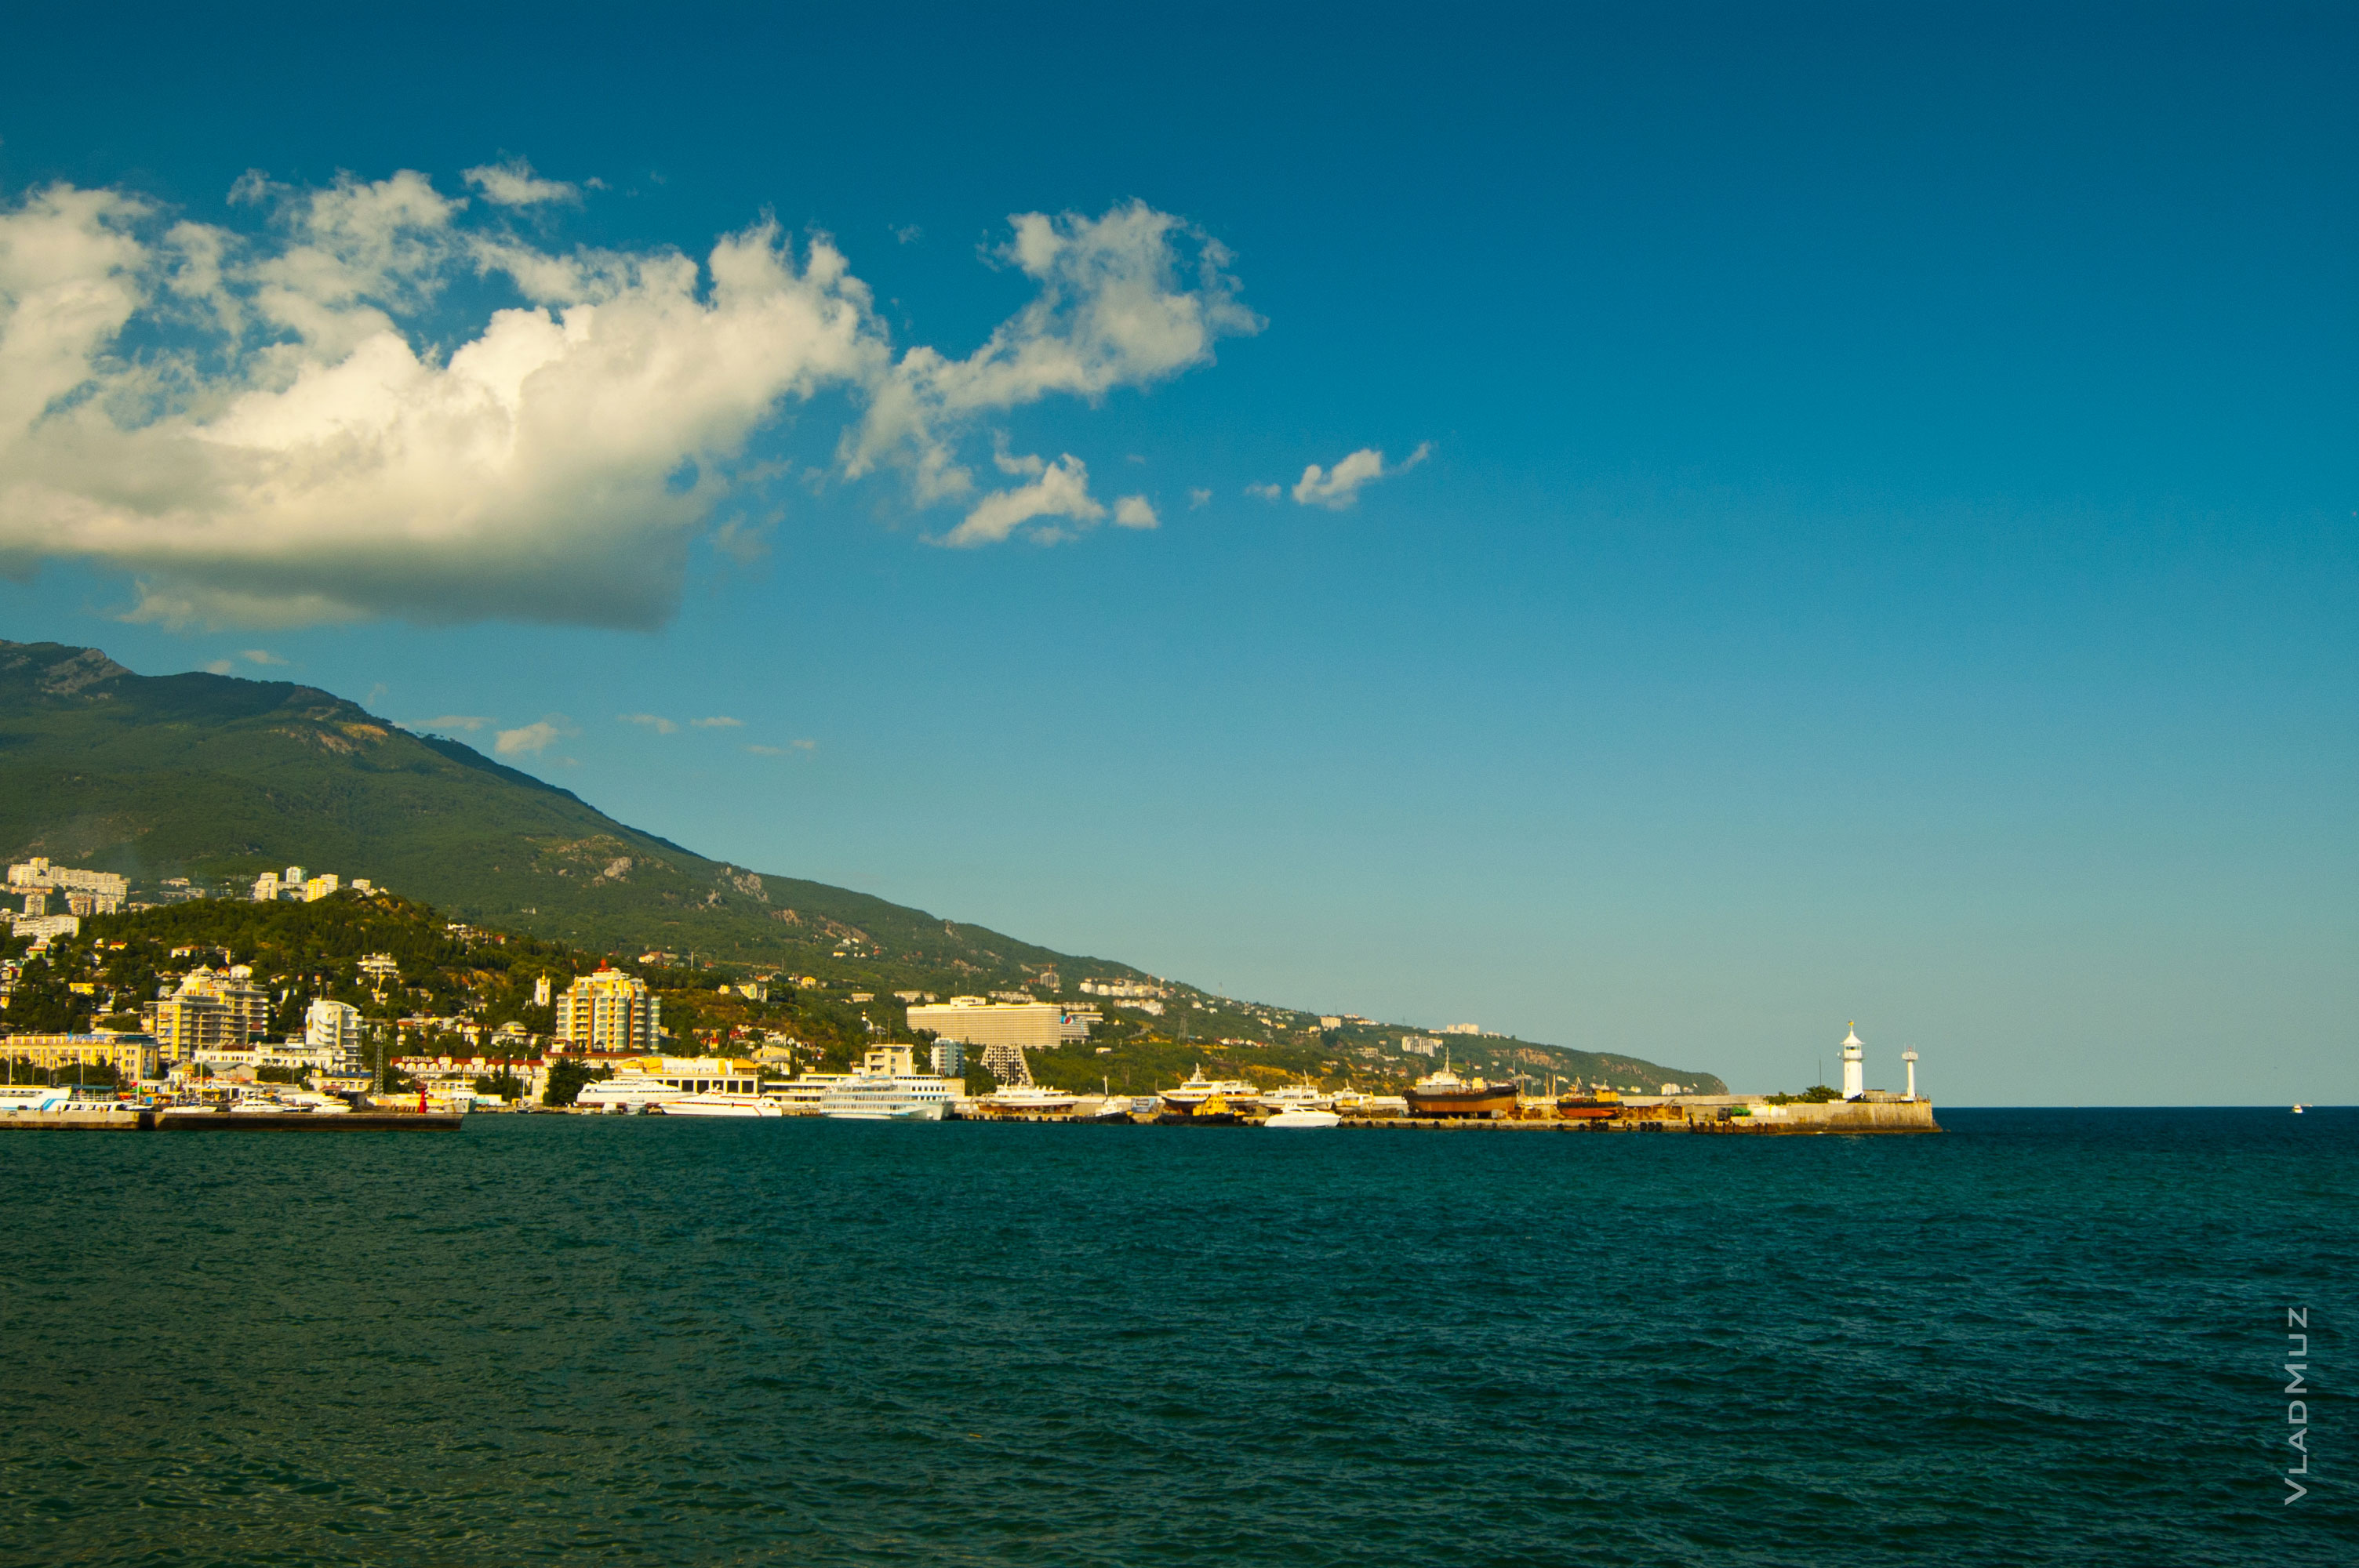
34, 1097
1304, 1096
1297, 1116
887, 1097
717, 1105
627, 1097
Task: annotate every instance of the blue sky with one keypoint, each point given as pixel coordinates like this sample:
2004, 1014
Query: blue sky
1885, 548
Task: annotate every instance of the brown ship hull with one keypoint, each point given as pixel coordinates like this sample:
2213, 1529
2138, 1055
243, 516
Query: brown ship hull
1492, 1099
1586, 1111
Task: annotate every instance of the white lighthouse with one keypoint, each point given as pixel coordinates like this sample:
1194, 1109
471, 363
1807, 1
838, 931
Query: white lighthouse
1855, 1065
1909, 1056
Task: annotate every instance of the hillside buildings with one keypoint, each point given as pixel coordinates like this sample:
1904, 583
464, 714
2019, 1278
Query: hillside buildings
77, 892
609, 1011
297, 885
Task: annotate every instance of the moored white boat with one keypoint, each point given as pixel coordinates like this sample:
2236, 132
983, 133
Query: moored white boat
887, 1097
717, 1105
34, 1097
1025, 1099
1301, 1116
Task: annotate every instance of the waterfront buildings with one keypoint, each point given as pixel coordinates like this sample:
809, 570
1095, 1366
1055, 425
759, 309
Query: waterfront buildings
132, 1057
608, 1011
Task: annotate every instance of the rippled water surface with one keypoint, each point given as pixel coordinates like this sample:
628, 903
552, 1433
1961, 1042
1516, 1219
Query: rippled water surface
2046, 1337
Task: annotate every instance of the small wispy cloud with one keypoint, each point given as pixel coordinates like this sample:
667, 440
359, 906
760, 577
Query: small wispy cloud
718, 722
1338, 487
1265, 492
513, 184
470, 722
1135, 512
904, 233
1198, 498
536, 737
767, 751
260, 657
220, 667
806, 745
655, 721
1060, 488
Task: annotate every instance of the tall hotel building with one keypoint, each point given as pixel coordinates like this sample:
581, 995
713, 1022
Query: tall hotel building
609, 1011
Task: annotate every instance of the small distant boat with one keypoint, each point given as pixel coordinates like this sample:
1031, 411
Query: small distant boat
2299, 1109
1298, 1116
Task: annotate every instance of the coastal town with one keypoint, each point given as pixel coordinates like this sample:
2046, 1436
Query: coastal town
197, 1030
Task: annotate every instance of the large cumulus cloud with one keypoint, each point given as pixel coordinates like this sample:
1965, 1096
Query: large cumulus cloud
255, 428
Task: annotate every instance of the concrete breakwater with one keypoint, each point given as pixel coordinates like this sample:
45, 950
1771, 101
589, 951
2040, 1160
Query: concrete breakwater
1835, 1116
129, 1118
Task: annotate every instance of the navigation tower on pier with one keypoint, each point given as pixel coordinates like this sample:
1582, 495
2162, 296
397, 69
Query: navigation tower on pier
1855, 1065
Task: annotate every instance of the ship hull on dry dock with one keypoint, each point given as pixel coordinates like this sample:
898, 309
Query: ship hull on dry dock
1490, 1100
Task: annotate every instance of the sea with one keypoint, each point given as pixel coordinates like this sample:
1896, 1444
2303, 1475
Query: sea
2042, 1336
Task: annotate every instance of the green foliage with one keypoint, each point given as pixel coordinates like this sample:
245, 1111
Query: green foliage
1817, 1094
567, 1076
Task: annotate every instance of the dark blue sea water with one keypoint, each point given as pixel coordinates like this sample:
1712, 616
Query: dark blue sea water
2044, 1336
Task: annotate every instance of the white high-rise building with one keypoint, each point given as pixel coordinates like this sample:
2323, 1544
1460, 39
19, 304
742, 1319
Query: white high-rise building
609, 1011
334, 1026
1854, 1063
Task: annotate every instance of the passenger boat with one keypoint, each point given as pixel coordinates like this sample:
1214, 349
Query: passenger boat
717, 1105
1193, 1096
1025, 1099
1213, 1110
1446, 1093
627, 1096
879, 1097
34, 1097
1304, 1096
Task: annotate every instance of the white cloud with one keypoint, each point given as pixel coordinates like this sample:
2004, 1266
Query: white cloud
1265, 492
718, 722
1135, 512
261, 430
1113, 310
656, 722
1340, 487
471, 722
261, 656
538, 735
1198, 498
806, 745
220, 667
512, 184
1060, 488
768, 750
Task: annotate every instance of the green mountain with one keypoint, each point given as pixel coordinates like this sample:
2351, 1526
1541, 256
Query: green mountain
217, 779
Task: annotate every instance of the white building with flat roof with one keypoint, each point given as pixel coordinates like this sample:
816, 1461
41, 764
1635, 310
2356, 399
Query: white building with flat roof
971, 1021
